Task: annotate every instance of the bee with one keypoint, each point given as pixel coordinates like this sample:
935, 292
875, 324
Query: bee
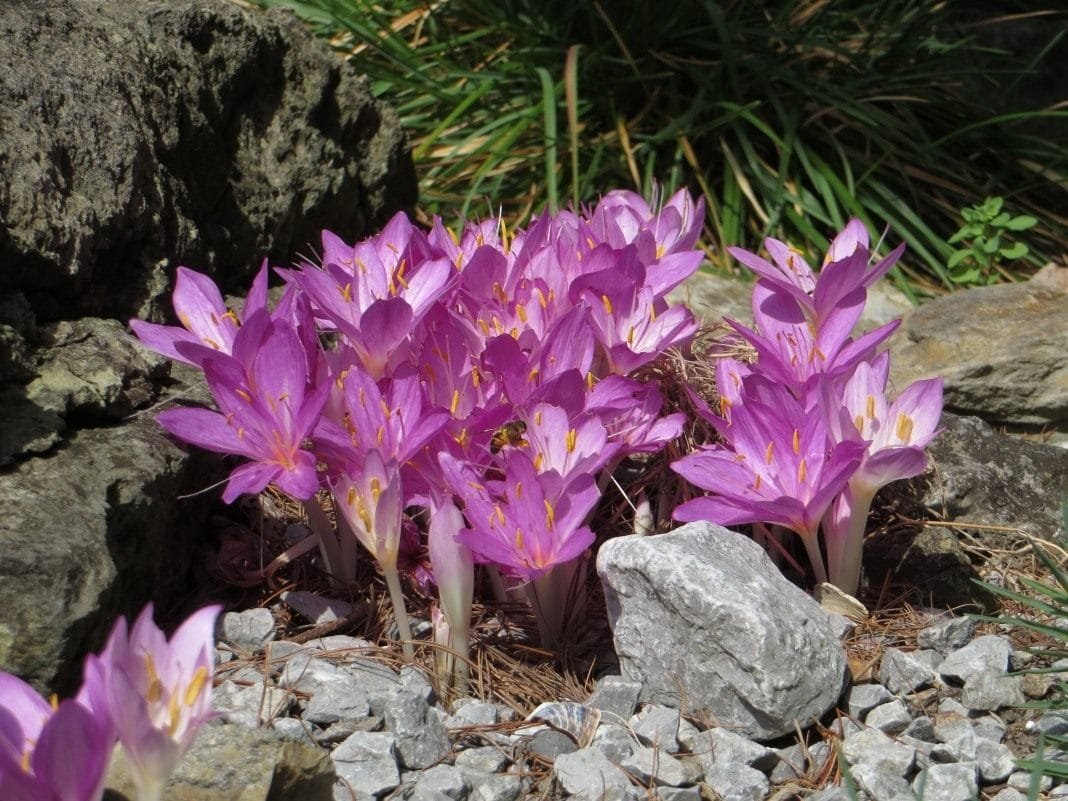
510, 433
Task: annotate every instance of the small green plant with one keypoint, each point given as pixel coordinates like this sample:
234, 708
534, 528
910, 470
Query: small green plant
1048, 613
987, 234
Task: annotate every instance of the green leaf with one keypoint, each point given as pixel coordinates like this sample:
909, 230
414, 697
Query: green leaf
1021, 223
958, 257
1015, 251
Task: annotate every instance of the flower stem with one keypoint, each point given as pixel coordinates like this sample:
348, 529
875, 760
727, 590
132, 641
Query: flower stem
396, 597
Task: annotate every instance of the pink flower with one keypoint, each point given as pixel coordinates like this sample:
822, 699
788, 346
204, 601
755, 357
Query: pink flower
57, 752
208, 326
157, 691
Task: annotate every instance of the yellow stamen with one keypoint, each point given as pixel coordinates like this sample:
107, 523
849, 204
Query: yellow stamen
518, 540
802, 472
904, 427
606, 303
570, 439
376, 489
797, 441
346, 293
550, 515
192, 692
538, 460
768, 452
243, 395
154, 692
757, 483
455, 404
869, 408
521, 313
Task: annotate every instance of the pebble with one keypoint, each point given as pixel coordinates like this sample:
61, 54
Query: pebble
931, 722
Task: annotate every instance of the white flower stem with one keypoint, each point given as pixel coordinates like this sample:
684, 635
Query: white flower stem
396, 597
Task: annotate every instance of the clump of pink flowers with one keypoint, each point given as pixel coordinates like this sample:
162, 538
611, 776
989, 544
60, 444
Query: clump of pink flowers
475, 385
478, 388
143, 693
808, 436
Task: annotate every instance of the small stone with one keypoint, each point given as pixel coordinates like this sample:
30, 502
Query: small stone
588, 775
333, 701
722, 747
892, 717
471, 713
951, 706
550, 744
653, 767
1021, 780
421, 736
367, 762
947, 783
989, 728
253, 705
484, 759
615, 742
987, 653
315, 608
947, 636
1008, 794
657, 726
882, 783
444, 779
736, 782
687, 731
616, 696
248, 631
500, 787
1036, 686
921, 728
295, 730
865, 697
992, 689
1052, 723
952, 727
902, 672
995, 761
872, 747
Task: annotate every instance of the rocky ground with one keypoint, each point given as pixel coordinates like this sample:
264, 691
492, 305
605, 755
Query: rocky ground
934, 710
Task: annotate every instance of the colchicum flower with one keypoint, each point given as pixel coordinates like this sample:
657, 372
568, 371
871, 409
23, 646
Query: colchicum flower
157, 692
268, 411
896, 435
781, 468
50, 752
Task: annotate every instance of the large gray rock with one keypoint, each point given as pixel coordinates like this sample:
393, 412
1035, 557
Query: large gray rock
145, 134
233, 763
139, 136
703, 619
91, 533
1001, 350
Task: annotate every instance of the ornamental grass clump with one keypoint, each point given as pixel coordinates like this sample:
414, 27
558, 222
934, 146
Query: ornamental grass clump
806, 434
476, 385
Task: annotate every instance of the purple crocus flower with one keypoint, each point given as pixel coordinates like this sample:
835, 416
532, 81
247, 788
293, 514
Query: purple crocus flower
268, 410
206, 322
50, 752
781, 468
528, 522
895, 436
157, 691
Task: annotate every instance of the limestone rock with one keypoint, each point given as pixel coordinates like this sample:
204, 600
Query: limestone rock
146, 134
233, 763
703, 618
1001, 350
